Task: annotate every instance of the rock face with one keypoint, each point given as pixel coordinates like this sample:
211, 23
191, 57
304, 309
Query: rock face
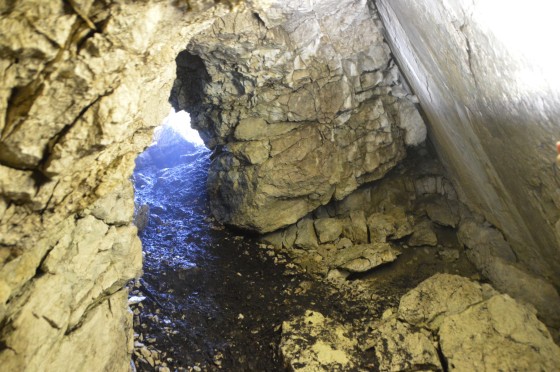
477, 329
302, 104
313, 342
446, 323
83, 83
481, 83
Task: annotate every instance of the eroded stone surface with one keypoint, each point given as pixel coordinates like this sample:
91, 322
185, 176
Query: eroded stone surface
314, 342
398, 347
300, 108
364, 257
497, 334
466, 73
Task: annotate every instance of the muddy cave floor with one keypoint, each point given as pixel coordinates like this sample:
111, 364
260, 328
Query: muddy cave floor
214, 299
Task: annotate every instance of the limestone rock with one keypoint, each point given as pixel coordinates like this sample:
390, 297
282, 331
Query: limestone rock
497, 334
440, 294
328, 229
476, 327
364, 257
483, 243
306, 237
423, 235
298, 114
356, 228
313, 342
413, 124
390, 225
83, 85
490, 253
443, 211
399, 348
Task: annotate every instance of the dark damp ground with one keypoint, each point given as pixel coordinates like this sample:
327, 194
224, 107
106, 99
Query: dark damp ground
215, 300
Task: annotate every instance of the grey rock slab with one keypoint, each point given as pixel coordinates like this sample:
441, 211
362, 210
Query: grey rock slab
364, 257
443, 211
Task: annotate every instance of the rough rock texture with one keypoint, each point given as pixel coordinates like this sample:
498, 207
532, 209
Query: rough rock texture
313, 342
477, 329
302, 104
399, 347
492, 254
82, 85
364, 257
492, 97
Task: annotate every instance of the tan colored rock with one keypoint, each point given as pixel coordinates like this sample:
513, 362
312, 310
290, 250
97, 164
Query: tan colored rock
328, 229
400, 348
76, 107
313, 342
497, 334
389, 225
438, 296
329, 129
493, 256
423, 235
356, 228
476, 328
306, 237
364, 257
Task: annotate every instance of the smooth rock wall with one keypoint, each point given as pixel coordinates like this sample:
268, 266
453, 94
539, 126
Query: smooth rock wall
83, 83
301, 102
484, 75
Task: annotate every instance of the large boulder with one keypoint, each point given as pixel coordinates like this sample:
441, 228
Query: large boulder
299, 105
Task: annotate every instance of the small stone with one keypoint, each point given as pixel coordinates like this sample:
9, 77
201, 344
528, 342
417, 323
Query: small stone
314, 342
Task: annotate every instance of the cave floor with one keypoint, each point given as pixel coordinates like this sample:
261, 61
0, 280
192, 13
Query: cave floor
214, 299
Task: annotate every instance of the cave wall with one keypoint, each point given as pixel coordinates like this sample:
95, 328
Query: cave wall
83, 83
485, 75
301, 102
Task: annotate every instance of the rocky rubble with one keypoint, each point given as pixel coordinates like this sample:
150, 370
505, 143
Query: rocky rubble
446, 323
299, 106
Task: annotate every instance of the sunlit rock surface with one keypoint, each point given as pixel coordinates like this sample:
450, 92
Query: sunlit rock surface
489, 86
301, 102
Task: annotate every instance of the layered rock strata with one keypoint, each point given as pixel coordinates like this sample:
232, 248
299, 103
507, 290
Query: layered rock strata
301, 102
